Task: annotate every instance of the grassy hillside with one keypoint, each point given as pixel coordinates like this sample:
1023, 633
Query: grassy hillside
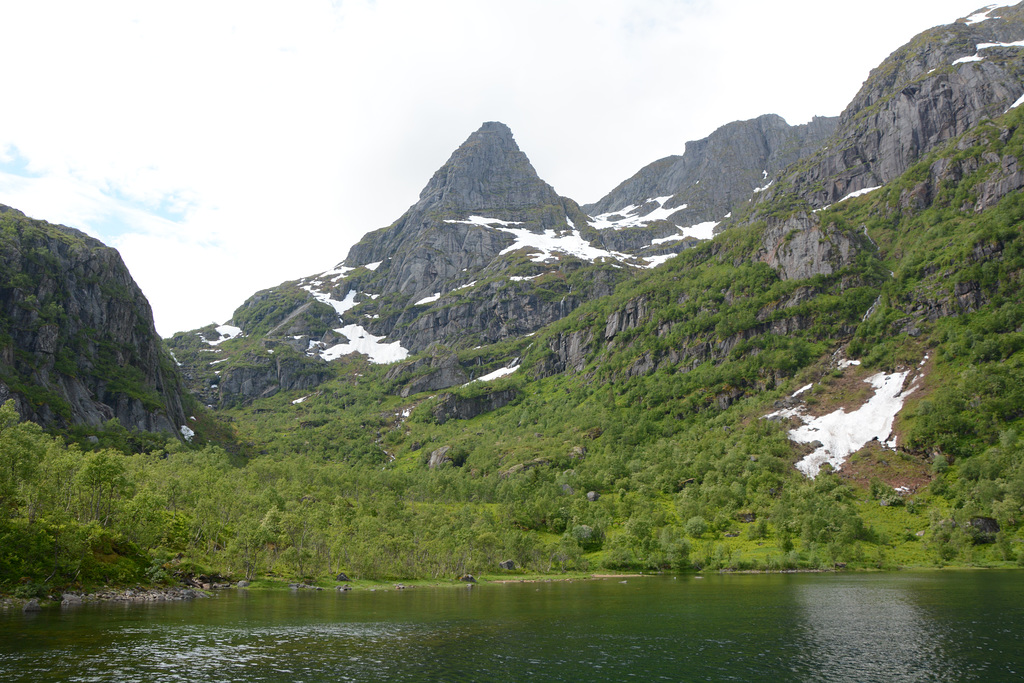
650, 450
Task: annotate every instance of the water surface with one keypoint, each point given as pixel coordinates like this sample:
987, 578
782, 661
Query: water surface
962, 626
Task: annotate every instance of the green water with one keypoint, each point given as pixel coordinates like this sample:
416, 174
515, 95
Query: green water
964, 626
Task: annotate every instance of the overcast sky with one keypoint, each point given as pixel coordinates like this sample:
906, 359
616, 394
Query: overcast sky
227, 146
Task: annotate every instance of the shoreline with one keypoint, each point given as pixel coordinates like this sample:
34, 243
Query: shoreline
158, 594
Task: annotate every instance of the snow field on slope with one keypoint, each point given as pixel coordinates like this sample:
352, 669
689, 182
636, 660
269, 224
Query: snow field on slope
360, 341
840, 433
976, 57
491, 376
604, 221
226, 332
549, 243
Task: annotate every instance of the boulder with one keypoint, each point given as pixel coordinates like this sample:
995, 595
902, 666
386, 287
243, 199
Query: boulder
508, 565
439, 457
71, 599
593, 496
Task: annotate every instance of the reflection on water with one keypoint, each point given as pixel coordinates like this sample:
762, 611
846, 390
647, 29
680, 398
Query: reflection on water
860, 630
938, 627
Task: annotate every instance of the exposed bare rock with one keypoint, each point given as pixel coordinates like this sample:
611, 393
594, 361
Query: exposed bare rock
79, 333
632, 315
439, 457
920, 97
568, 353
716, 174
262, 376
430, 373
799, 248
453, 407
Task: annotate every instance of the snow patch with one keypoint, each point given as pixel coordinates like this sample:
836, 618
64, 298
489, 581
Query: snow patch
670, 238
299, 400
702, 231
226, 332
802, 390
842, 434
500, 372
859, 193
843, 364
968, 59
976, 57
361, 341
628, 217
428, 299
373, 266
762, 189
335, 273
655, 261
1016, 104
348, 303
187, 433
986, 46
549, 243
981, 15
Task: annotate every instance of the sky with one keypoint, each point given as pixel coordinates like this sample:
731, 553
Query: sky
227, 146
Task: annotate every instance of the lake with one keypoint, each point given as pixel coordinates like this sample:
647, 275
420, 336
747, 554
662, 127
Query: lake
934, 626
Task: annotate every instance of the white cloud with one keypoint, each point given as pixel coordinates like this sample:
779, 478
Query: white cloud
225, 147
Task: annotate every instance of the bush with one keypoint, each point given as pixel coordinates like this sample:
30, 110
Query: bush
696, 527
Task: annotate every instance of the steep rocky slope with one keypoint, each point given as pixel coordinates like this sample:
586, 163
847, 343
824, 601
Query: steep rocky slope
489, 253
77, 342
714, 175
936, 87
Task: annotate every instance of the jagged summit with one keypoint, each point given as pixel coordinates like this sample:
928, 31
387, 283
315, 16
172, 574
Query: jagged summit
713, 175
487, 172
943, 82
488, 176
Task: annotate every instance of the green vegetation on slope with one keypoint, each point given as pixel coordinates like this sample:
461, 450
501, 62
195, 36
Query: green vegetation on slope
652, 454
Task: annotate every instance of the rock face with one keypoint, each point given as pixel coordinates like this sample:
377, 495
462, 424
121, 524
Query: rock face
262, 376
936, 87
428, 374
716, 174
439, 457
568, 353
799, 248
457, 408
77, 341
428, 246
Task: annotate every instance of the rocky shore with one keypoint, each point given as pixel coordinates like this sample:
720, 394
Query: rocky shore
107, 595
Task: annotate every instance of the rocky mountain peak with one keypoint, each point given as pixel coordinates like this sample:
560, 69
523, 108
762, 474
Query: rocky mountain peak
487, 172
715, 174
942, 83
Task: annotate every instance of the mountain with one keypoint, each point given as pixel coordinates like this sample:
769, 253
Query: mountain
808, 381
77, 341
941, 84
489, 253
713, 176
833, 377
